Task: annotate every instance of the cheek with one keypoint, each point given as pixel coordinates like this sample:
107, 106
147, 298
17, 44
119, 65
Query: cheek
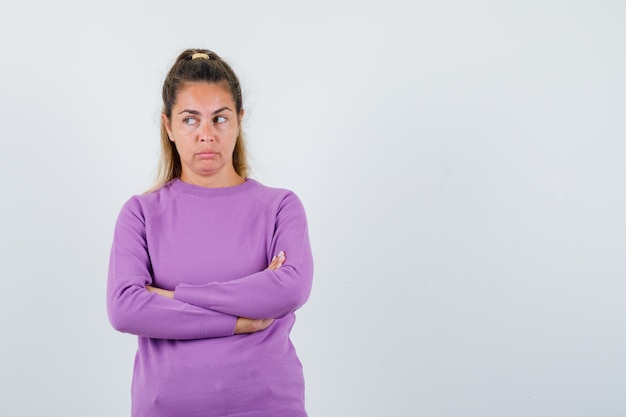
229, 134
234, 139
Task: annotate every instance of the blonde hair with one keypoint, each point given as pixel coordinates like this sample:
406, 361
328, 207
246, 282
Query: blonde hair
192, 66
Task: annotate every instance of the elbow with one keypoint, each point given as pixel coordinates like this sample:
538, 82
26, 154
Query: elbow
119, 319
118, 324
298, 292
300, 296
119, 311
292, 303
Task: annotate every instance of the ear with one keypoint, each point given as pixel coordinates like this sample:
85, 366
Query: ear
168, 126
240, 116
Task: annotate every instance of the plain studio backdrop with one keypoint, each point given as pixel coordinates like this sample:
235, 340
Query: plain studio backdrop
461, 163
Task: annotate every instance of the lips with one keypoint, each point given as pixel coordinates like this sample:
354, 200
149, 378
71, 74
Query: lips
206, 154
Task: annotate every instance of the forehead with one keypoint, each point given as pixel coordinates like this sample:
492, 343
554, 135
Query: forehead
202, 94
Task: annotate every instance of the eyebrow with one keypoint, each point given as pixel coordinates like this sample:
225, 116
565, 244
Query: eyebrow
197, 113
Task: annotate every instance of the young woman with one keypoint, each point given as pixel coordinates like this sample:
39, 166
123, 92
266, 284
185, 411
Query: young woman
208, 268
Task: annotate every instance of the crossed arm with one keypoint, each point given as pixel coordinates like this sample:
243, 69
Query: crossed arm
243, 324
216, 309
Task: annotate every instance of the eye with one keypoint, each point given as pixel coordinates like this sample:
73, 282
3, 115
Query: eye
219, 119
189, 121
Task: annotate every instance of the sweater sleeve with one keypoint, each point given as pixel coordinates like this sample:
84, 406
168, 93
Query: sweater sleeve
132, 309
265, 294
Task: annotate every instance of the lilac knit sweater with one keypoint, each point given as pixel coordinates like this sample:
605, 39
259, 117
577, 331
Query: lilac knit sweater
212, 246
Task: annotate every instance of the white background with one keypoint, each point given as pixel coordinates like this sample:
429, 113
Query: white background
461, 162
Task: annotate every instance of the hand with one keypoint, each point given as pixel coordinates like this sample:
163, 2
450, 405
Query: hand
160, 291
277, 261
245, 325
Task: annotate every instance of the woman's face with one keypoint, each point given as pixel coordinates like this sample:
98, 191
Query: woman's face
204, 126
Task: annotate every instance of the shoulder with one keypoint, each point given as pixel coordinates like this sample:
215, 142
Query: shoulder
270, 196
150, 204
276, 200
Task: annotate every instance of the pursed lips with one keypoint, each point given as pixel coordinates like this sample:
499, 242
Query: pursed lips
206, 154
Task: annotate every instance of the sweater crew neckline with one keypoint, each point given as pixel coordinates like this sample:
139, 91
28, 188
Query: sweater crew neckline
184, 187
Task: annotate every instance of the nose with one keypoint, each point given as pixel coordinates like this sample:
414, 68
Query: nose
206, 133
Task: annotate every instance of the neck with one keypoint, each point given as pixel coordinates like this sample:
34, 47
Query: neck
213, 181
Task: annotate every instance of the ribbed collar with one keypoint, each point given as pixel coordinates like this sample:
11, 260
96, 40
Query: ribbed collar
183, 187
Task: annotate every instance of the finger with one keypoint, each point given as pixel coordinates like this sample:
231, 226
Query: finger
275, 264
277, 261
281, 257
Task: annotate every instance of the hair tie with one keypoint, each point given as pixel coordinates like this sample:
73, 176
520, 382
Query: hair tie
199, 55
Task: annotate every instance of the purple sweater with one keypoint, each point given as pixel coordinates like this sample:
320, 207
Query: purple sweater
212, 246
